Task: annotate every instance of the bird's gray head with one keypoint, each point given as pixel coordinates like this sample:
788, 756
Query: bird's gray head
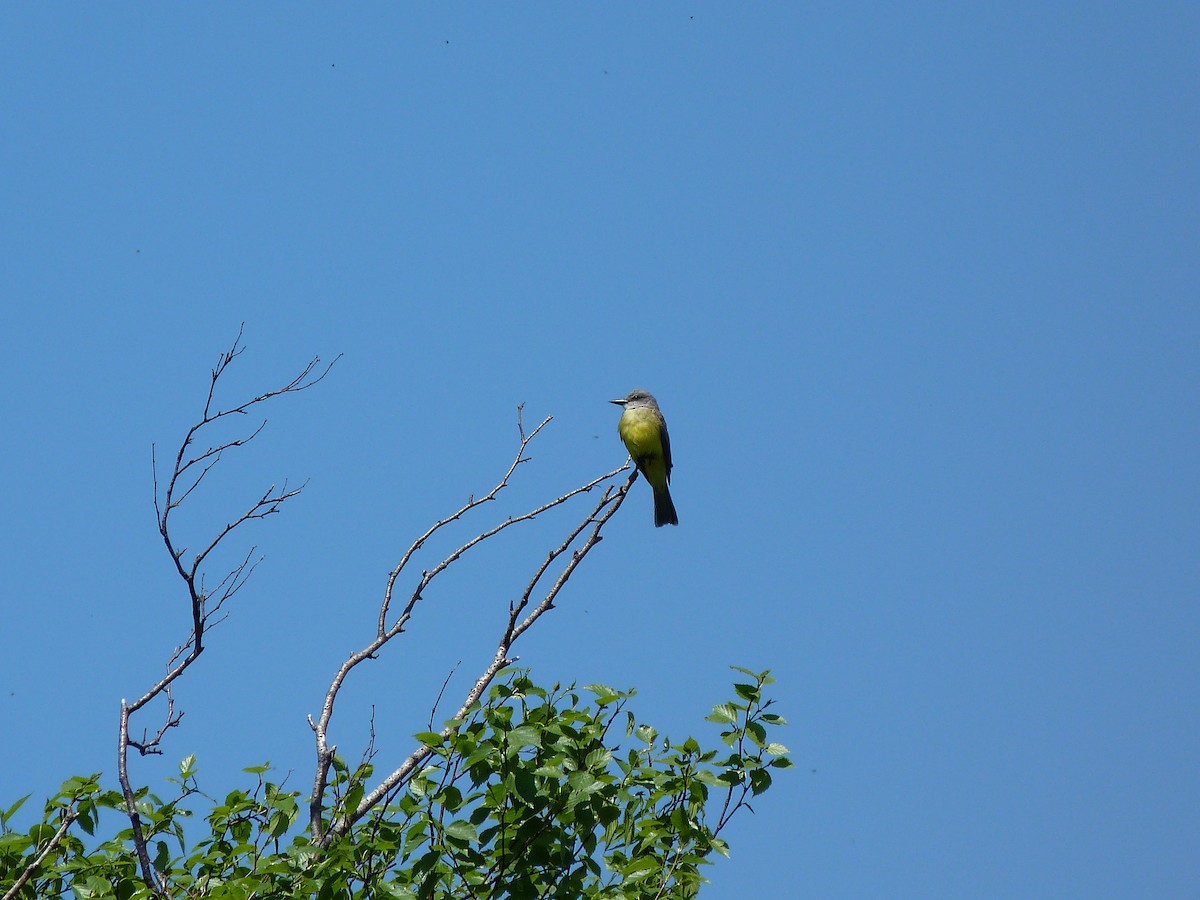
636, 398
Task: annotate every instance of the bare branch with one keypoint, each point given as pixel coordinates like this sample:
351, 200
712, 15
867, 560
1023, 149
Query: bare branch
384, 632
187, 474
428, 576
268, 504
149, 873
213, 454
470, 504
148, 746
603, 511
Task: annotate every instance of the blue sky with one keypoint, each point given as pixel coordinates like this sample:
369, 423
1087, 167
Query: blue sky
917, 288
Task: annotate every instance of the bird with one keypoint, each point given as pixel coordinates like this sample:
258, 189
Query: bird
644, 431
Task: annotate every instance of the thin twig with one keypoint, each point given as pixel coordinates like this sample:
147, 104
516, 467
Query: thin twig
441, 691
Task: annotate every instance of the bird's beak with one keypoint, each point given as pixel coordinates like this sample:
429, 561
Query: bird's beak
618, 402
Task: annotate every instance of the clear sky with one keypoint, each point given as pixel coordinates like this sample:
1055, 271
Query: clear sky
917, 287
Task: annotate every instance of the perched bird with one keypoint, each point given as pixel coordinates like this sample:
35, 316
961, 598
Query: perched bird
644, 431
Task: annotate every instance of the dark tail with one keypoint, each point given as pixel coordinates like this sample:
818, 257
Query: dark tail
664, 509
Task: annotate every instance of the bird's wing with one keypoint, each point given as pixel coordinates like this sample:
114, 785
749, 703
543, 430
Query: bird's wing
666, 442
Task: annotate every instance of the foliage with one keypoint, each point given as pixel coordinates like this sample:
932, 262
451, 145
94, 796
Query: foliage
534, 793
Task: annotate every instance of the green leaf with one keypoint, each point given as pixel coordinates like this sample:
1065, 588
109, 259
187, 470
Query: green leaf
641, 867
12, 810
645, 733
280, 823
462, 830
15, 843
760, 780
598, 759
451, 798
429, 738
604, 694
584, 782
79, 784
526, 786
724, 713
750, 672
162, 856
187, 766
524, 736
747, 691
354, 796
